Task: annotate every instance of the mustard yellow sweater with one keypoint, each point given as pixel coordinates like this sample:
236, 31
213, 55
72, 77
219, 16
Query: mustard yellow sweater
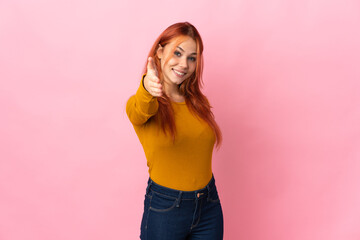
184, 164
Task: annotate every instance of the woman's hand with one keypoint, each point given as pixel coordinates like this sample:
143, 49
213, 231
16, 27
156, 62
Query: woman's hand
151, 81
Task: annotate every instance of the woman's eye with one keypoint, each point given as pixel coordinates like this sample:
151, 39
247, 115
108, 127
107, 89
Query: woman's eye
192, 59
177, 53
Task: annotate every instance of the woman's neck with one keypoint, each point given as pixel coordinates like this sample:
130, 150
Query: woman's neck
172, 91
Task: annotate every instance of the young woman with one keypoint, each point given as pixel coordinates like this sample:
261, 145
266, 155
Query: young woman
177, 130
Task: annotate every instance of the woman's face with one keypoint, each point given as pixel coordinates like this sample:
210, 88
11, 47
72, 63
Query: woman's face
181, 63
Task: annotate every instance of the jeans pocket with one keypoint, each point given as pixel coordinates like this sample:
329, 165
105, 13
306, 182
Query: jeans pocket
213, 196
162, 203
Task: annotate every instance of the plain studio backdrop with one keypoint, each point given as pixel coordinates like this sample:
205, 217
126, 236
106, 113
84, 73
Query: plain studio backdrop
283, 78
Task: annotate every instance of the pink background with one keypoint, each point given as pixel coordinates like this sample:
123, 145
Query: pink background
282, 76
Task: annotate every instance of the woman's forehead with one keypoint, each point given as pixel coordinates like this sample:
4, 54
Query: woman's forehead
186, 44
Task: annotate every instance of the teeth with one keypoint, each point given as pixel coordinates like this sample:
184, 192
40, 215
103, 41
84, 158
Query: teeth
180, 73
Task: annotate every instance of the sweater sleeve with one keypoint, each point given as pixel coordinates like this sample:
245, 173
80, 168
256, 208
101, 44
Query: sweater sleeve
141, 106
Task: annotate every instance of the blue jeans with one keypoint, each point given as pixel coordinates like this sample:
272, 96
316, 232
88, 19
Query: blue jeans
171, 214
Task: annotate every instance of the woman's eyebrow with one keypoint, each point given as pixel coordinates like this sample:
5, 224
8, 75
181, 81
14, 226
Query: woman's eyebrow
194, 53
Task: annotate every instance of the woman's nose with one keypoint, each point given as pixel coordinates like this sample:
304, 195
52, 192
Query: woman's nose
184, 63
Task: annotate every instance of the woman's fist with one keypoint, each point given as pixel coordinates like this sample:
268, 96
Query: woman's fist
151, 81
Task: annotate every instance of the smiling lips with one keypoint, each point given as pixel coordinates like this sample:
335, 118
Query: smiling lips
179, 73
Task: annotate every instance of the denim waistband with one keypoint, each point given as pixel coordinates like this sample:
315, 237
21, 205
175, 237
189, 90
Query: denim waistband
182, 194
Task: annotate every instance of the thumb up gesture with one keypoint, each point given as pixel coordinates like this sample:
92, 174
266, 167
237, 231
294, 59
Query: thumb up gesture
151, 81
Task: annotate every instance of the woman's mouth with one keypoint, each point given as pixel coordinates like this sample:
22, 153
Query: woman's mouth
178, 73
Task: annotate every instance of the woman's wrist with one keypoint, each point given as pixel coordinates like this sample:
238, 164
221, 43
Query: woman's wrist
143, 82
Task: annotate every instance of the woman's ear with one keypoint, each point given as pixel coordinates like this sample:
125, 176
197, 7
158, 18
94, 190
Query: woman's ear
159, 52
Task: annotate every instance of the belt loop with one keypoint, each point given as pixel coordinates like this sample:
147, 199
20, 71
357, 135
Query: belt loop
179, 199
148, 186
208, 193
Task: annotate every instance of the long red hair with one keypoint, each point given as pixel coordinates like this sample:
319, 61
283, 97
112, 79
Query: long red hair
190, 88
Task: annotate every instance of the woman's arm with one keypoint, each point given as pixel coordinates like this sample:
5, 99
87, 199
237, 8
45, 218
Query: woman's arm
141, 106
